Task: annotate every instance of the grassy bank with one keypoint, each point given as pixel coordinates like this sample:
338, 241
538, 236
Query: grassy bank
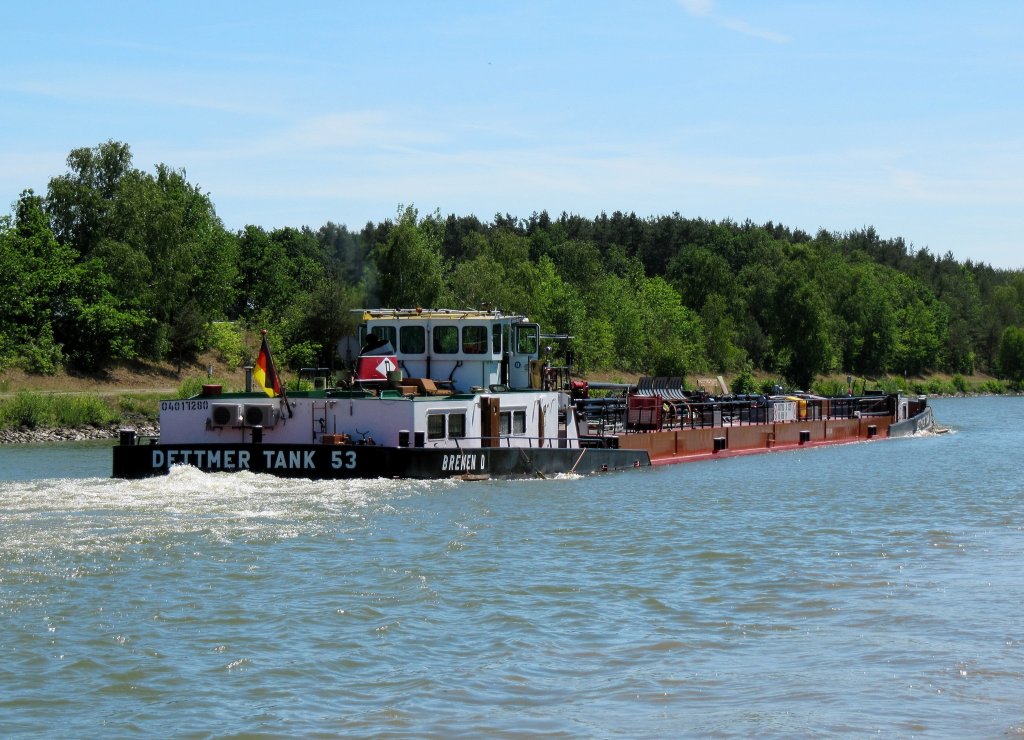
931, 385
127, 395
32, 410
38, 409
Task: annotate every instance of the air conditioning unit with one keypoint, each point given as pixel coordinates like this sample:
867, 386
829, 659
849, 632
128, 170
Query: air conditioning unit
226, 414
260, 414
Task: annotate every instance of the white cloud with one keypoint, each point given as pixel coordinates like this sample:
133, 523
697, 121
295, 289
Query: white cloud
697, 7
119, 91
741, 26
705, 9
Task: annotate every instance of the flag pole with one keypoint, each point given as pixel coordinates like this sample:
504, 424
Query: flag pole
267, 374
281, 384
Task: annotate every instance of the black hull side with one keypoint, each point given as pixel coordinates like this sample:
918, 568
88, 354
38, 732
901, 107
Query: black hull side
922, 422
370, 461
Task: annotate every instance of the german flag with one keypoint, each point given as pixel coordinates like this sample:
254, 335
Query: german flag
265, 373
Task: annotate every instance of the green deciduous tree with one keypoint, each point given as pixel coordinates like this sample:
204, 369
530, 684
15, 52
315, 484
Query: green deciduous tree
95, 329
153, 247
324, 315
482, 281
80, 201
720, 334
920, 326
674, 338
410, 267
55, 307
172, 224
801, 330
867, 319
265, 285
36, 276
1011, 354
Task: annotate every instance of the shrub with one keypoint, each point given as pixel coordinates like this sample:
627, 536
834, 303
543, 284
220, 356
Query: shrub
744, 380
190, 387
226, 340
42, 356
960, 383
830, 387
994, 386
147, 406
36, 410
28, 410
892, 384
939, 387
193, 386
303, 354
80, 411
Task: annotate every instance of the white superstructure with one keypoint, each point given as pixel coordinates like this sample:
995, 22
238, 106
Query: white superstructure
465, 379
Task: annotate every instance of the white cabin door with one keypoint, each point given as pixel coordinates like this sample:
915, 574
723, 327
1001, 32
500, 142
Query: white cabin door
525, 347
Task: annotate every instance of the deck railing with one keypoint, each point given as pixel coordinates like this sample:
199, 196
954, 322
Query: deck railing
643, 413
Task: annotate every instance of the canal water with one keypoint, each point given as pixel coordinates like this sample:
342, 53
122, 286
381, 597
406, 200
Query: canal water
867, 588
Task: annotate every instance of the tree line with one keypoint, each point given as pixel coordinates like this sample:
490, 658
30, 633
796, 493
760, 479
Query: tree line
114, 264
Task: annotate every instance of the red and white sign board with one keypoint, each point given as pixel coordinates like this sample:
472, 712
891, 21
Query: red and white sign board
375, 367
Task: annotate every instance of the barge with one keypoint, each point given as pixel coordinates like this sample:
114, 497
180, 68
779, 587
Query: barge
466, 394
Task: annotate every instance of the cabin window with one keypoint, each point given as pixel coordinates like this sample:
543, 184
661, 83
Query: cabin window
456, 425
435, 426
474, 340
513, 423
528, 340
446, 340
412, 340
452, 425
382, 332
496, 339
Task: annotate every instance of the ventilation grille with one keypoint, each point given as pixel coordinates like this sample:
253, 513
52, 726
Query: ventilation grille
260, 414
226, 414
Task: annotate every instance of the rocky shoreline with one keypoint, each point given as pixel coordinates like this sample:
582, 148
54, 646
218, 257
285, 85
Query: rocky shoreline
72, 434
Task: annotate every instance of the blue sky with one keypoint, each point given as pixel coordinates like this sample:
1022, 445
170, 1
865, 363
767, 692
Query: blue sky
907, 116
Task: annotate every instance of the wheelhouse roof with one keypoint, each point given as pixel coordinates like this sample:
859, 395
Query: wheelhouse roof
413, 314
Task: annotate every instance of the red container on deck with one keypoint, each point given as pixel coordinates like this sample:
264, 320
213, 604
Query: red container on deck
643, 412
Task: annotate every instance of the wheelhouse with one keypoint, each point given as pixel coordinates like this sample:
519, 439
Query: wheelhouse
467, 349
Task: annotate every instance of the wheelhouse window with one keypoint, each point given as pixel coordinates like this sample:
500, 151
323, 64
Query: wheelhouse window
505, 419
496, 339
528, 339
412, 340
474, 340
446, 340
383, 332
518, 422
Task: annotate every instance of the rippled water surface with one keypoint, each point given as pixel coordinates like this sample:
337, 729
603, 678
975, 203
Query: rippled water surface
866, 588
